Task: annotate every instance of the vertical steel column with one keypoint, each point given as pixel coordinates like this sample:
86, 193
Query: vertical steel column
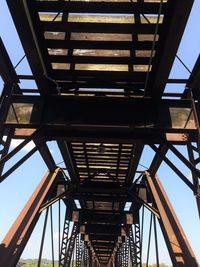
52, 243
122, 255
156, 240
138, 244
133, 257
191, 150
85, 256
126, 252
149, 239
178, 246
43, 236
71, 244
90, 259
5, 141
5, 134
64, 240
78, 251
116, 259
17, 237
119, 257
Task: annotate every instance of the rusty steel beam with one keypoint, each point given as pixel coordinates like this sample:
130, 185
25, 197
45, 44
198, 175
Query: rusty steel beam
5, 143
157, 160
178, 246
18, 164
34, 56
7, 70
136, 155
180, 156
34, 136
174, 168
177, 13
17, 237
194, 80
195, 178
64, 149
96, 7
46, 154
103, 114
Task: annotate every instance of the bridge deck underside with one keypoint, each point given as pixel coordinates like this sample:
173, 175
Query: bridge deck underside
94, 51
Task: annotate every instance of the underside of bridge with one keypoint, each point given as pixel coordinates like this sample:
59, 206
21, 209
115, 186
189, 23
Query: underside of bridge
101, 68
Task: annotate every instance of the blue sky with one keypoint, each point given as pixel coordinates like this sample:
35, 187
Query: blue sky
16, 189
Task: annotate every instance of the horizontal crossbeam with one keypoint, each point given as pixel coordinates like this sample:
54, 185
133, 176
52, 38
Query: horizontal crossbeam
98, 7
83, 117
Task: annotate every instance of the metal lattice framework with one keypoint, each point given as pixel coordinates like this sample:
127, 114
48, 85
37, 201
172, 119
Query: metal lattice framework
101, 68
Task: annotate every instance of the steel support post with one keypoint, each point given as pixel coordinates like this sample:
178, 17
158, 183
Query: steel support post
126, 252
85, 256
122, 253
90, 259
195, 148
5, 133
138, 245
118, 261
133, 257
5, 141
64, 240
78, 251
178, 246
70, 248
17, 237
195, 160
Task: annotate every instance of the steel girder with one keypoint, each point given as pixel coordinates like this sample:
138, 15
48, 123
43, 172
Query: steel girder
178, 246
15, 240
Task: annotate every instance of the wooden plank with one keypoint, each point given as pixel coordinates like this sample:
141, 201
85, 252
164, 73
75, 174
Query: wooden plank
104, 44
100, 36
99, 60
59, 26
100, 67
111, 18
81, 18
98, 7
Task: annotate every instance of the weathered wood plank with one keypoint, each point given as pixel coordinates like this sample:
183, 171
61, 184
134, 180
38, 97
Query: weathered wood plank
101, 59
79, 44
59, 26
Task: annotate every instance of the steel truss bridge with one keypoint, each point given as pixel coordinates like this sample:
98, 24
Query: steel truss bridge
101, 68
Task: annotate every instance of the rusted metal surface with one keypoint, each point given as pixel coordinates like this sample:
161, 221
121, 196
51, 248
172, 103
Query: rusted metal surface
178, 246
7, 70
14, 242
194, 79
164, 115
192, 148
70, 64
94, 62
